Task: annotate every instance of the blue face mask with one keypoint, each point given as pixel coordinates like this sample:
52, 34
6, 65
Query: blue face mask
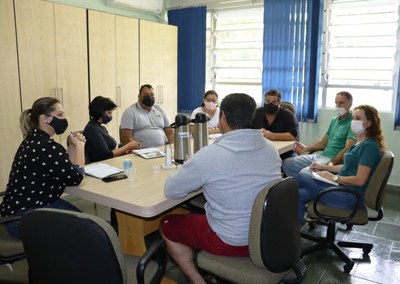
106, 118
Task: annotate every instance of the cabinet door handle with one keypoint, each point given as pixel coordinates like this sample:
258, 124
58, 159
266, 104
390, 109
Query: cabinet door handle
61, 99
55, 93
119, 98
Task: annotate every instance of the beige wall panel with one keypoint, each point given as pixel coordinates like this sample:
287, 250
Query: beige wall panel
36, 49
10, 107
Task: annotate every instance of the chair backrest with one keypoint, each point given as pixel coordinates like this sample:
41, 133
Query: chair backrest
289, 106
274, 236
377, 183
71, 247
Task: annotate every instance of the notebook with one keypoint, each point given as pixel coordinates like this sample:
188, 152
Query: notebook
149, 153
101, 170
318, 177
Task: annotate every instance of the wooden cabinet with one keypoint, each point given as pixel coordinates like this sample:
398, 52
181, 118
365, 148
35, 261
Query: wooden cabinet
127, 62
45, 48
113, 60
52, 50
10, 107
158, 63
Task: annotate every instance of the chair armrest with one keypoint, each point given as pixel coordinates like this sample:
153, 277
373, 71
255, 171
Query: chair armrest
9, 219
157, 252
337, 189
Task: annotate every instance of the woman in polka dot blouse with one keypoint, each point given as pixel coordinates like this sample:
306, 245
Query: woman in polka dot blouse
42, 168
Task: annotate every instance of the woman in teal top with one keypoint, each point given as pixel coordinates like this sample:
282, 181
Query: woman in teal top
359, 163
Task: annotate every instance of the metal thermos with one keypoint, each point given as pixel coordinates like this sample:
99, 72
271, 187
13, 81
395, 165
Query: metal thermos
200, 131
181, 138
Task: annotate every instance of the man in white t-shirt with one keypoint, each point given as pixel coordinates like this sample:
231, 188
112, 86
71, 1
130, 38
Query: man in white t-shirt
145, 122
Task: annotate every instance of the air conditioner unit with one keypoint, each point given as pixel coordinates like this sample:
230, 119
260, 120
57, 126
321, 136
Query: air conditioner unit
154, 7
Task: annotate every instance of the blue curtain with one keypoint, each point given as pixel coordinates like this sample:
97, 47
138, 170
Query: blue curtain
191, 23
397, 108
291, 56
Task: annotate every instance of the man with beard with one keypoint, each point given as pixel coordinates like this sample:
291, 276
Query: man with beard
146, 122
276, 122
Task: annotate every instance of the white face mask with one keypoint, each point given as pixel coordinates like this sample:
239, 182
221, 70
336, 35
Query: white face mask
210, 105
357, 127
340, 111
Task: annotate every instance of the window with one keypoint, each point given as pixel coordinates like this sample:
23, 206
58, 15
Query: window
360, 52
234, 52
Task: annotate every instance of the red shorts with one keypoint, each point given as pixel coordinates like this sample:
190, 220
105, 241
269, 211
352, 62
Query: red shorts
194, 231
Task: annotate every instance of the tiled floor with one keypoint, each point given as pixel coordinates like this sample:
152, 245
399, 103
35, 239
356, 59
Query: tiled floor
382, 266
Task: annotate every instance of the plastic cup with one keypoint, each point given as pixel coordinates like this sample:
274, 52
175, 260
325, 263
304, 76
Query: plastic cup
130, 173
156, 169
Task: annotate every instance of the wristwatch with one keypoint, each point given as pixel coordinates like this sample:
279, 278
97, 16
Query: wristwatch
335, 178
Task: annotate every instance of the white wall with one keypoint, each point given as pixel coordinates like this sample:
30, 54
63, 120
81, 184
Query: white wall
311, 132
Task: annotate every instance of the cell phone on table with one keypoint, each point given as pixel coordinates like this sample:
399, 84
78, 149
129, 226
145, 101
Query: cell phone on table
114, 177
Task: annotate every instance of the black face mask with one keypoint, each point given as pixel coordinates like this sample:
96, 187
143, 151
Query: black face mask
148, 101
59, 125
271, 108
106, 118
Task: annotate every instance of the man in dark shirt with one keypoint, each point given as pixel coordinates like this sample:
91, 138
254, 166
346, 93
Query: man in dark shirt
276, 122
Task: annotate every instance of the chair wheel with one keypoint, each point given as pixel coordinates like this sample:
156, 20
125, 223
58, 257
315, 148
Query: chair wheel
348, 267
349, 226
311, 225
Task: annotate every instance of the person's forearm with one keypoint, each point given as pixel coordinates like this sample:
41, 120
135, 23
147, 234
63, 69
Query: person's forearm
286, 136
119, 151
169, 133
319, 145
76, 154
338, 159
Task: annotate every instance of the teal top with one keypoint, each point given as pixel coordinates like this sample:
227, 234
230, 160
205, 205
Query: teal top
367, 153
339, 132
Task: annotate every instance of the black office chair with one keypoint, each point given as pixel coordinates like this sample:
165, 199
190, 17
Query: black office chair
71, 247
373, 200
274, 241
11, 249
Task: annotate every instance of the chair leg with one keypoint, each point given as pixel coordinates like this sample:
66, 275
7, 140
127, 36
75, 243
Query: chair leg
349, 262
329, 242
320, 243
366, 247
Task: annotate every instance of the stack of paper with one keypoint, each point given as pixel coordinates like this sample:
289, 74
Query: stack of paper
149, 153
318, 177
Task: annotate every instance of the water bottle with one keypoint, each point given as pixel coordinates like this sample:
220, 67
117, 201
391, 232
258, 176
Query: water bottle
168, 155
181, 138
127, 164
200, 131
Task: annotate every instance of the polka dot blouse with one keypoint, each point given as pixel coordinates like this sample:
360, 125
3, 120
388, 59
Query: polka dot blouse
40, 172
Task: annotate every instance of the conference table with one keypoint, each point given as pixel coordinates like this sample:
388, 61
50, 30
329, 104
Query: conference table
139, 204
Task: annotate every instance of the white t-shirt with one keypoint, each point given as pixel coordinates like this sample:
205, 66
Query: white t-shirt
213, 122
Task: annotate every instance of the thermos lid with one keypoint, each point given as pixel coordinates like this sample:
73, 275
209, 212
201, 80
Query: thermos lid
180, 120
200, 117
